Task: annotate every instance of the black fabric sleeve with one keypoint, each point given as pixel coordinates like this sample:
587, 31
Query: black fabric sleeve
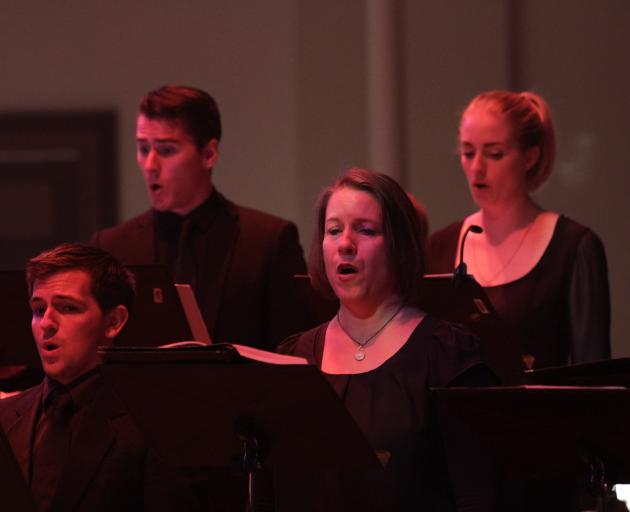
589, 302
305, 345
455, 351
289, 345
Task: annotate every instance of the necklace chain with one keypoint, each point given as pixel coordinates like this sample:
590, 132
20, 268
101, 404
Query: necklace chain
509, 260
360, 354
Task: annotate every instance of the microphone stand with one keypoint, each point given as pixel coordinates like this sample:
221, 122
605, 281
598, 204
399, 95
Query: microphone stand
460, 274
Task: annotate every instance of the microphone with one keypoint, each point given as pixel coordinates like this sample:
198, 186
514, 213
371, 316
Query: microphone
461, 272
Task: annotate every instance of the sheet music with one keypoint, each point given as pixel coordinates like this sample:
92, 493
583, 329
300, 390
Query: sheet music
193, 314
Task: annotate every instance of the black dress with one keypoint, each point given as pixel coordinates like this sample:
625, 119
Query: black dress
560, 310
392, 405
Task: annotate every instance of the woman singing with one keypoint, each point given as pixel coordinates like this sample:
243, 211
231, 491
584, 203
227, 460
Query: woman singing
382, 354
545, 274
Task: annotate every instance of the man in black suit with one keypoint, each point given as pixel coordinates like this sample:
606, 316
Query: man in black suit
76, 447
240, 262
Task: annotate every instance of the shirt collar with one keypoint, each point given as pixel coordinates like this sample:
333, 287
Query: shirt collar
170, 223
81, 389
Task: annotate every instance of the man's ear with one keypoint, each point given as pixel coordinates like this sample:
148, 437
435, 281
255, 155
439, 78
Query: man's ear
210, 153
115, 321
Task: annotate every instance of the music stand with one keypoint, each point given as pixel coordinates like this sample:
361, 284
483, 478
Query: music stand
467, 304
551, 432
200, 409
14, 492
611, 372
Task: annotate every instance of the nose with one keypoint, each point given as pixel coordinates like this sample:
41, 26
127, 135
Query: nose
346, 243
150, 163
478, 164
48, 323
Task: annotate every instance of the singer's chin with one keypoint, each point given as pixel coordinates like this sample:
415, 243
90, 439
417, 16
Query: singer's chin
479, 196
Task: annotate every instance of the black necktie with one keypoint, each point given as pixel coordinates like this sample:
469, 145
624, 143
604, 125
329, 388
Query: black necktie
185, 266
52, 447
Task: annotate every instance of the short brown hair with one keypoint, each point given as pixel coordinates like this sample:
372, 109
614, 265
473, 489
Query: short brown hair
194, 108
530, 120
401, 229
112, 284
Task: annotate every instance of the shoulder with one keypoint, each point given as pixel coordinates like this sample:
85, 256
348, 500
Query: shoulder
446, 233
441, 248
267, 234
448, 337
452, 351
251, 218
567, 227
578, 238
304, 344
102, 237
16, 405
131, 241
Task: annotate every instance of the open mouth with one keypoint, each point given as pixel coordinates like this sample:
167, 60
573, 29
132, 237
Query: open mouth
49, 347
155, 187
346, 269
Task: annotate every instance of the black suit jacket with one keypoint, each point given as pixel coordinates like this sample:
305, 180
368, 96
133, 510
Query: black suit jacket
110, 467
246, 291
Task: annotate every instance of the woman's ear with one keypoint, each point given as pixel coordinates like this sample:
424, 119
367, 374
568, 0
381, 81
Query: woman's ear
532, 156
115, 320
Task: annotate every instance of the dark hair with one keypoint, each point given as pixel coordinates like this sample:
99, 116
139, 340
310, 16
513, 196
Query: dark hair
530, 120
112, 284
401, 229
195, 108
423, 218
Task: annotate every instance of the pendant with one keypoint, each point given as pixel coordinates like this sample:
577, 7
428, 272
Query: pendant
359, 355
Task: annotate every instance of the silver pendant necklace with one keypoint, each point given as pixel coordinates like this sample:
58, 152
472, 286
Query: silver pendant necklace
359, 355
489, 282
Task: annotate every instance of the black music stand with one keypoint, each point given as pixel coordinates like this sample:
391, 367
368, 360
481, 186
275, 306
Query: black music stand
546, 433
14, 492
611, 372
465, 303
200, 407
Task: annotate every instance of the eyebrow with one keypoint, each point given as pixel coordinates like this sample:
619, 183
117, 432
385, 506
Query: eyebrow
493, 143
35, 298
354, 221
165, 139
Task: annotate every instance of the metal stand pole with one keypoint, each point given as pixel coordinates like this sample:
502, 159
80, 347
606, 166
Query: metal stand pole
250, 463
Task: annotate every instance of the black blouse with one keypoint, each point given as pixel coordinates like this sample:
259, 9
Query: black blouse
560, 310
392, 405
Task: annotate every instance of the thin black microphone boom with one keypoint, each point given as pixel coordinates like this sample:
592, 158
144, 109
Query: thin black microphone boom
461, 271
